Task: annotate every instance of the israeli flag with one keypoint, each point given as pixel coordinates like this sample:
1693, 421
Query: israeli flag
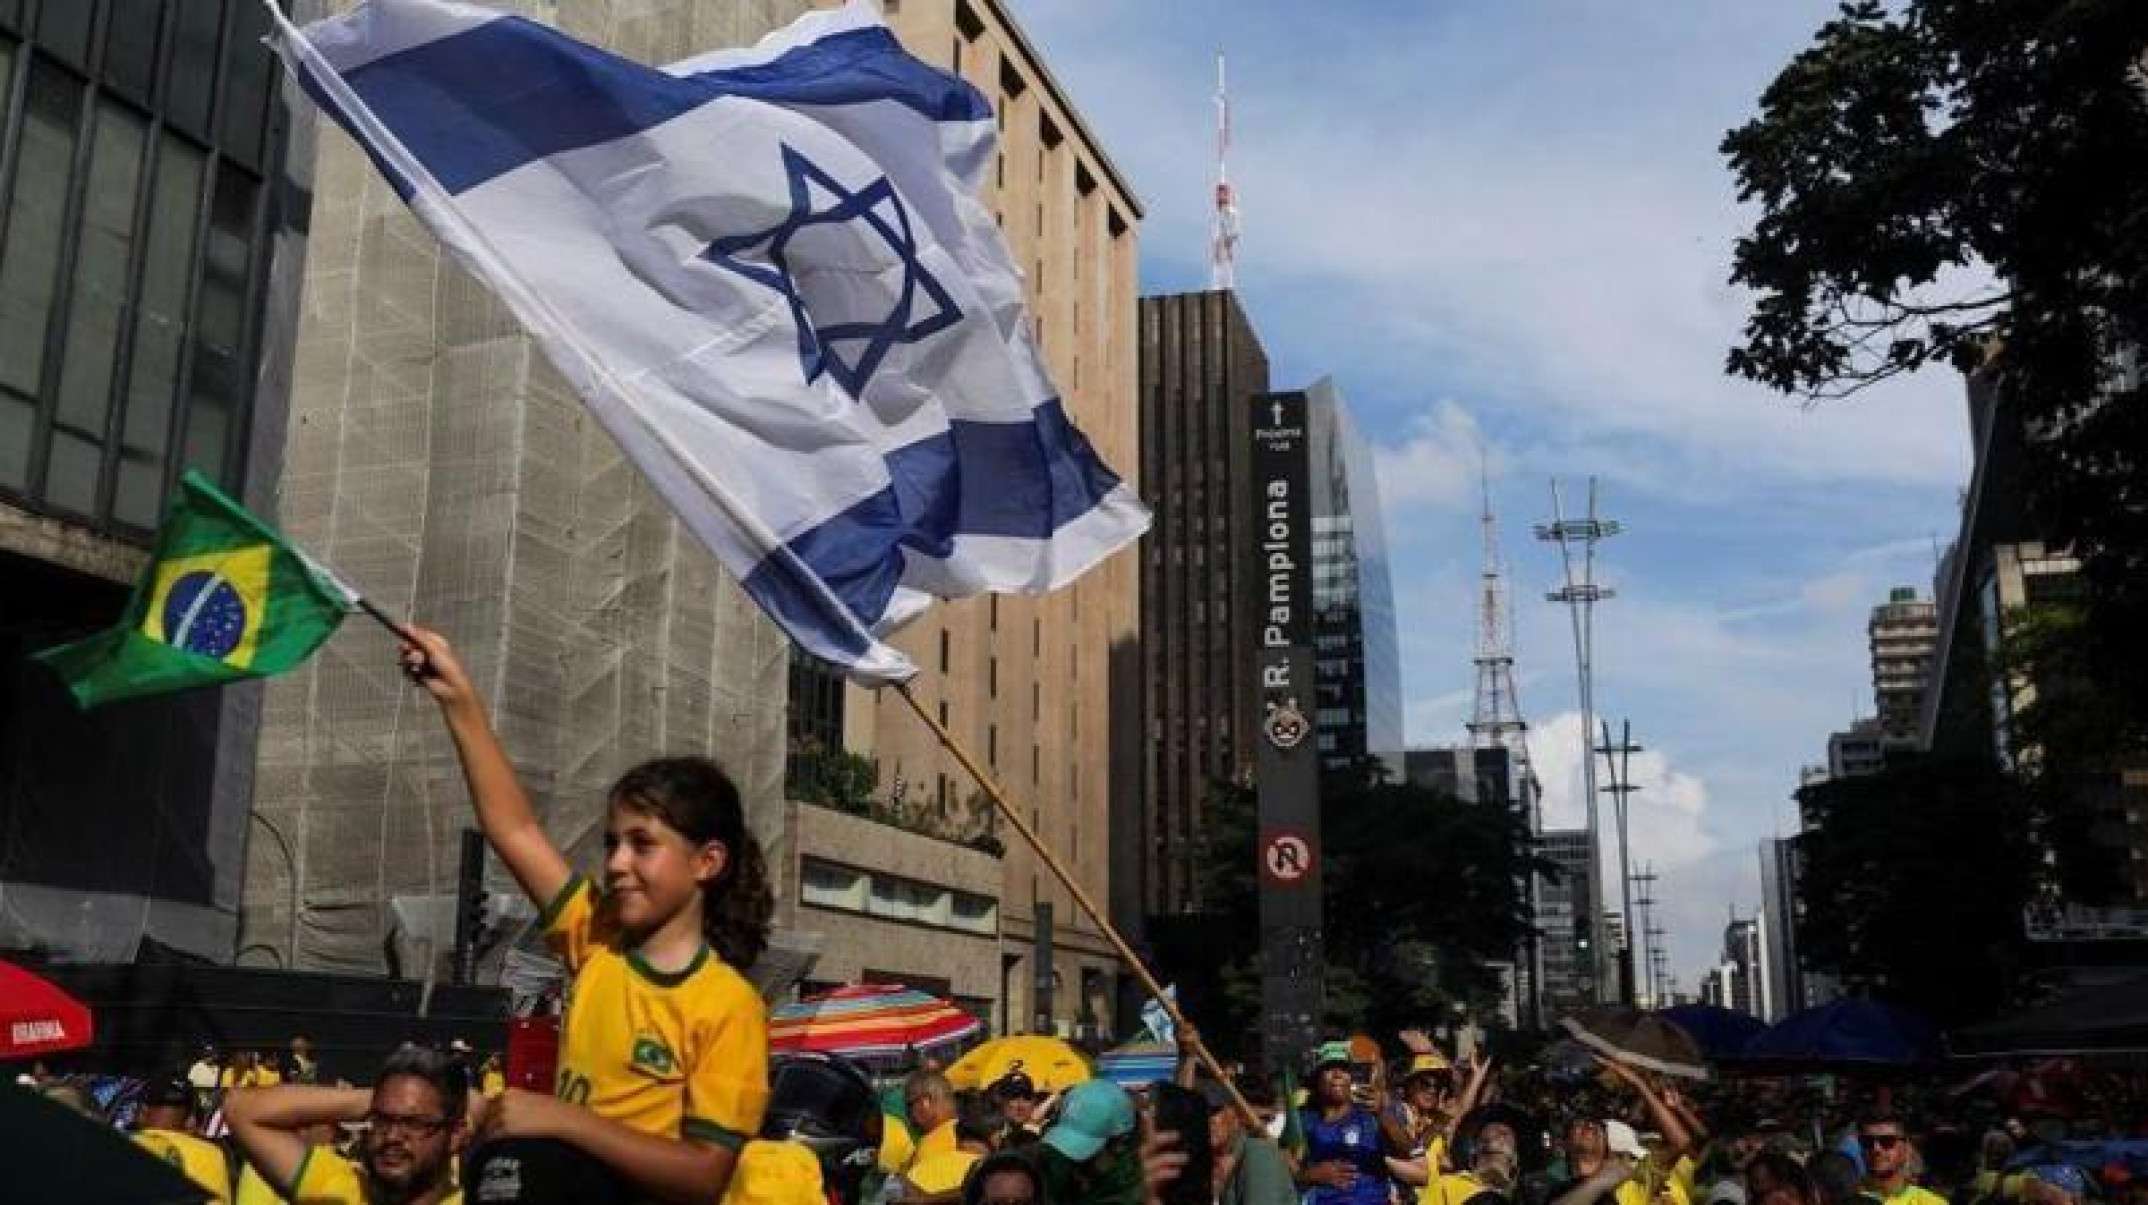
768, 275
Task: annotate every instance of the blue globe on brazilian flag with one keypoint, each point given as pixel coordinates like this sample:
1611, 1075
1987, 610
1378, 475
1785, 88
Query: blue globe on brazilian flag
223, 598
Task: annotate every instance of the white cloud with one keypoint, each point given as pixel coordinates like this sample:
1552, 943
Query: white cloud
1438, 463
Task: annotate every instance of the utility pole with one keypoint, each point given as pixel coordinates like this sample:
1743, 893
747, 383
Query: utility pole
1646, 901
1618, 759
1580, 594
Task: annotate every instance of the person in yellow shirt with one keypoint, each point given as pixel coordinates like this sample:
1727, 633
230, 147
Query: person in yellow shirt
930, 1101
165, 1129
1494, 1166
978, 1123
1888, 1153
663, 1058
415, 1117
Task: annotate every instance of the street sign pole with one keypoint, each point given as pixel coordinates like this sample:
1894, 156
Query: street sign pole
1287, 766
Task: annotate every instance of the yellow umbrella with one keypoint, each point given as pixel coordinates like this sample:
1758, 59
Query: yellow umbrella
1050, 1064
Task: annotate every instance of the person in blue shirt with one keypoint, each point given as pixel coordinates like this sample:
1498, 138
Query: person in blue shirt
1346, 1149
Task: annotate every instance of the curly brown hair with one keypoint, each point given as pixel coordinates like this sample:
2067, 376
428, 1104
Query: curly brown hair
695, 796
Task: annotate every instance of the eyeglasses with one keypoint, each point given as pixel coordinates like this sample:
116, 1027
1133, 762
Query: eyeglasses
409, 1123
1885, 1142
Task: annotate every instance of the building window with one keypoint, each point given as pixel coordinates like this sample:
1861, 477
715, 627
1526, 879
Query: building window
892, 897
826, 885
943, 651
992, 677
992, 745
126, 351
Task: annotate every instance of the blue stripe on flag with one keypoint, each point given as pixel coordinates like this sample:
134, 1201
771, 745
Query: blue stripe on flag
1019, 480
483, 102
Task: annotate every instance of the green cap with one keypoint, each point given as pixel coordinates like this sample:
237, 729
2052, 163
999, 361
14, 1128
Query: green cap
1331, 1052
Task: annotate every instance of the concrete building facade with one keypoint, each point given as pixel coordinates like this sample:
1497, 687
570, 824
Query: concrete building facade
437, 460
1901, 635
1201, 367
1562, 917
153, 191
1046, 692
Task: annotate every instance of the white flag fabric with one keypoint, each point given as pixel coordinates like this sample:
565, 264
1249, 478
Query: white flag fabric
768, 275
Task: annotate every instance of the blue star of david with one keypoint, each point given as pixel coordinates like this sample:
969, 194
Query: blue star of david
873, 205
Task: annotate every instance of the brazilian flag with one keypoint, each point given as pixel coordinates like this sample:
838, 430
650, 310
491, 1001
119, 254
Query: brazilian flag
223, 598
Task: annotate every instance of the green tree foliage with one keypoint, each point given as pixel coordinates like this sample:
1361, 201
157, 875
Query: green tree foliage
1421, 894
1914, 881
835, 778
2072, 747
1966, 182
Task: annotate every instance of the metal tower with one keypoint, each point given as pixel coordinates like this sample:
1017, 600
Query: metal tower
1223, 228
1495, 721
1580, 594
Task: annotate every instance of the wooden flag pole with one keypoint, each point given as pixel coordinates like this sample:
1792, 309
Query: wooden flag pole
1126, 952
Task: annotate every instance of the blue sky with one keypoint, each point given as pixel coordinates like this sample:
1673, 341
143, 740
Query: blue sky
1505, 225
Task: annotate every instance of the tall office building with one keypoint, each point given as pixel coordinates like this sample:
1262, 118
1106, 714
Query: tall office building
438, 461
1740, 982
1045, 691
1562, 917
1201, 367
1357, 665
152, 209
1469, 773
1902, 633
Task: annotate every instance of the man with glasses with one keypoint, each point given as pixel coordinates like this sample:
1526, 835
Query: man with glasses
414, 1127
1887, 1163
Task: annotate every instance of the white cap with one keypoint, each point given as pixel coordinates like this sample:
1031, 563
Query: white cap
1620, 1139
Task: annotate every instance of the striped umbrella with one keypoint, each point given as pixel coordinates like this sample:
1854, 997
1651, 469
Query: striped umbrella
1138, 1064
868, 1020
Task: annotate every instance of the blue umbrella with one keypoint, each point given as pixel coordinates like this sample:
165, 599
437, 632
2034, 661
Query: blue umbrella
1721, 1032
1846, 1035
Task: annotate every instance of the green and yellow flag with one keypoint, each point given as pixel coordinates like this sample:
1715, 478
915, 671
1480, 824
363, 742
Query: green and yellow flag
223, 598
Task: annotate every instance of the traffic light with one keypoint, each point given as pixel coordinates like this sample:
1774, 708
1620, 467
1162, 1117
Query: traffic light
470, 906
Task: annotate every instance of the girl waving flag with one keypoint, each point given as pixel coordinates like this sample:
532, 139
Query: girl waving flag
663, 1068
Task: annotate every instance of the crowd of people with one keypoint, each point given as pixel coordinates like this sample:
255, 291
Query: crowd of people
666, 1089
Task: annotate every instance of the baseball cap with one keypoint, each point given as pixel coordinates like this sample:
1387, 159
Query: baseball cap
1331, 1053
1727, 1191
1092, 1114
1620, 1139
775, 1173
1428, 1064
1013, 1085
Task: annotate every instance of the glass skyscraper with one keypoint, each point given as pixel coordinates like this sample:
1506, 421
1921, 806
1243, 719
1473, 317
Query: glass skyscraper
1357, 665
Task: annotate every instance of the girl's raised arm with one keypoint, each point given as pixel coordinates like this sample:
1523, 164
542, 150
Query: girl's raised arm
503, 810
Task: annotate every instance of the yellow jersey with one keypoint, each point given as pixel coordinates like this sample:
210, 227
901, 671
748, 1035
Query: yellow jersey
942, 1172
1453, 1188
253, 1190
1908, 1194
897, 1147
326, 1178
202, 1160
680, 1055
